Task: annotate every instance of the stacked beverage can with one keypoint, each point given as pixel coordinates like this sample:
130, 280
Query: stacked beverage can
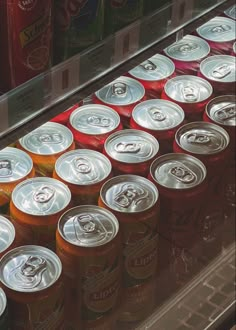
231, 12
4, 321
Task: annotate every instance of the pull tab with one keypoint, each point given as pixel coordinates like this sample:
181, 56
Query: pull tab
33, 266
221, 71
190, 92
196, 138
5, 168
156, 114
188, 48
130, 194
82, 165
86, 223
54, 138
221, 29
226, 112
119, 89
148, 66
99, 121
44, 194
127, 147
183, 174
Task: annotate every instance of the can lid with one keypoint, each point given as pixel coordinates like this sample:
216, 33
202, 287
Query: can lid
15, 164
41, 196
131, 146
157, 67
222, 110
7, 233
122, 91
178, 171
88, 226
234, 47
189, 48
3, 302
158, 114
231, 12
129, 194
83, 167
202, 138
30, 268
188, 89
49, 139
94, 119
219, 68
218, 29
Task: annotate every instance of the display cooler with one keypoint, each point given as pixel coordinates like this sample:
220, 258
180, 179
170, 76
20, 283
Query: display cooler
117, 165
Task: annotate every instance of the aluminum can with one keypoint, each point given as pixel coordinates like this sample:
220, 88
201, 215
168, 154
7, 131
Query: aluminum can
231, 12
78, 25
222, 111
153, 74
219, 32
220, 71
234, 49
4, 321
161, 118
88, 244
45, 145
187, 53
31, 278
8, 235
123, 94
84, 171
63, 118
15, 166
38, 204
134, 200
27, 40
131, 151
191, 93
120, 13
92, 124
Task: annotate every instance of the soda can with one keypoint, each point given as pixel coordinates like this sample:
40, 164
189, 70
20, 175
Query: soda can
63, 118
187, 53
219, 32
15, 166
78, 25
134, 200
92, 124
191, 93
181, 182
220, 71
31, 278
234, 49
4, 320
7, 235
84, 171
231, 12
161, 118
153, 74
45, 145
131, 151
27, 38
88, 244
222, 111
123, 94
38, 204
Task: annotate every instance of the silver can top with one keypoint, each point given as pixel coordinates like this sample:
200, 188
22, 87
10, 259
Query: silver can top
7, 233
131, 146
218, 29
219, 68
178, 171
157, 67
3, 302
158, 114
83, 167
122, 91
231, 12
88, 226
189, 48
15, 164
94, 119
234, 47
41, 196
49, 139
222, 110
202, 138
129, 194
30, 269
188, 89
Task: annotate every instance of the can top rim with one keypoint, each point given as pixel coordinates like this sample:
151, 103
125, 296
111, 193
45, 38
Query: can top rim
3, 302
8, 233
222, 118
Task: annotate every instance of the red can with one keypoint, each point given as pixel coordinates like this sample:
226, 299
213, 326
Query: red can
160, 118
27, 39
123, 94
63, 117
153, 74
92, 124
191, 93
131, 151
187, 53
